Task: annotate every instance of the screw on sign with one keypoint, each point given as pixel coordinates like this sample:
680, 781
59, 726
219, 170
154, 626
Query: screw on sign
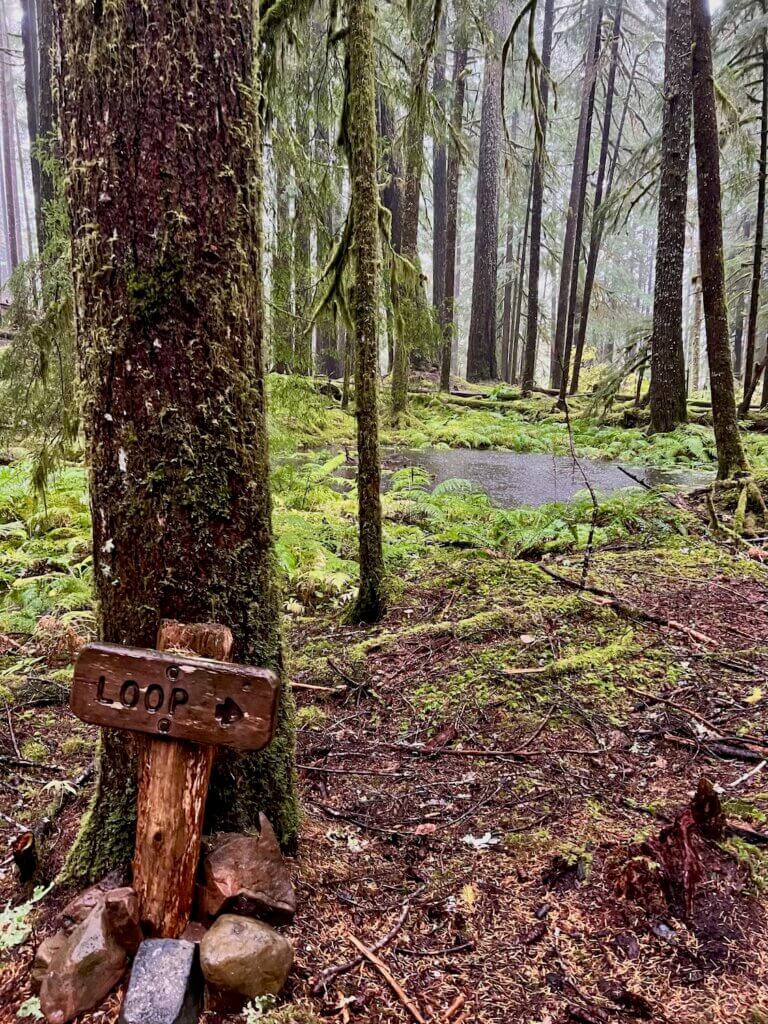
189, 698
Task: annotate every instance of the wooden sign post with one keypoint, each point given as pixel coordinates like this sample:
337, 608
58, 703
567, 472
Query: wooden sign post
189, 698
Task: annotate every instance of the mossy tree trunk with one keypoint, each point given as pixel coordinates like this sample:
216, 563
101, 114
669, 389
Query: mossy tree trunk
482, 362
569, 267
757, 251
360, 134
537, 206
667, 392
161, 142
448, 317
414, 318
730, 453
596, 228
439, 174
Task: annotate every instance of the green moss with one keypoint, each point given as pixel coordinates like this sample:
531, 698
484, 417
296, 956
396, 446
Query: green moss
75, 745
34, 750
754, 858
310, 717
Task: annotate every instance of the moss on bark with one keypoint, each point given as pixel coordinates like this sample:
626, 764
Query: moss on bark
361, 145
161, 139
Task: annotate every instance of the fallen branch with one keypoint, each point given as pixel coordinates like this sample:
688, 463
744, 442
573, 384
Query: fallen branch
320, 985
632, 611
720, 748
384, 971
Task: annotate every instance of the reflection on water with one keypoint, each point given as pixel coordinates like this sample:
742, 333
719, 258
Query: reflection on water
512, 479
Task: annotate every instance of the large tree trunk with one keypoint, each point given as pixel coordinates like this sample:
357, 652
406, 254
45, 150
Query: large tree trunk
569, 267
302, 233
730, 454
596, 230
537, 206
282, 324
13, 240
506, 313
481, 350
667, 393
439, 172
31, 47
391, 197
361, 143
408, 293
520, 287
448, 318
161, 140
694, 359
757, 258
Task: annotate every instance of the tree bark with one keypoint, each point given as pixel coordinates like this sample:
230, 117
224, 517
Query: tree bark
518, 307
569, 267
13, 240
164, 183
730, 454
506, 315
31, 47
537, 206
439, 176
361, 142
302, 233
667, 391
391, 197
596, 230
282, 324
409, 297
757, 258
481, 347
452, 212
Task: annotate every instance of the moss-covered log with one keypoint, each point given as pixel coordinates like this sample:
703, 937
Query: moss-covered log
161, 138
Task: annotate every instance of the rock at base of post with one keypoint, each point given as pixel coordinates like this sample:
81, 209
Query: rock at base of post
166, 985
243, 959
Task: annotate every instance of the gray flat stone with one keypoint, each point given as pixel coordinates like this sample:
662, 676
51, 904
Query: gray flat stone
166, 985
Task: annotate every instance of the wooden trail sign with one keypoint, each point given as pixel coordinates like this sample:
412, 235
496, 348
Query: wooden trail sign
220, 704
172, 695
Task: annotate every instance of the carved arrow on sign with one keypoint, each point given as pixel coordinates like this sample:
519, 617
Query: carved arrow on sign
210, 702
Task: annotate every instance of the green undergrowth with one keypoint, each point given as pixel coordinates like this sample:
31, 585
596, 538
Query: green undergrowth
46, 570
302, 416
534, 425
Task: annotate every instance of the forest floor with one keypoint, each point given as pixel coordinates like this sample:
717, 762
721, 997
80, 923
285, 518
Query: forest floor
490, 771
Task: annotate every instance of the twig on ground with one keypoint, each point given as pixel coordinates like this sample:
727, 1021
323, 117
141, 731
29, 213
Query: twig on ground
11, 730
463, 947
749, 774
323, 980
455, 1006
658, 699
387, 975
312, 686
20, 762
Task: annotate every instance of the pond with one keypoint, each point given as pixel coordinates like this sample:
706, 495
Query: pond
512, 479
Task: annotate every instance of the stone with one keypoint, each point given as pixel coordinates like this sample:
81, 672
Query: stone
83, 971
247, 875
166, 986
44, 956
122, 907
194, 932
244, 958
81, 906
